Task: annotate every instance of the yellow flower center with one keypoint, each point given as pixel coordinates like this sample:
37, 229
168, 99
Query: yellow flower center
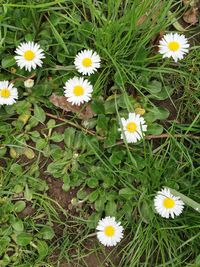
5, 93
168, 203
131, 127
173, 46
109, 231
29, 55
78, 90
87, 62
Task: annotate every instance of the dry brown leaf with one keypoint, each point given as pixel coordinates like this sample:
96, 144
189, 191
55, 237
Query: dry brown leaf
141, 20
193, 3
61, 102
191, 16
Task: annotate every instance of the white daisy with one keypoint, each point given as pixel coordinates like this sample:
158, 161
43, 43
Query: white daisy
87, 62
168, 205
173, 45
133, 128
29, 55
8, 93
109, 232
78, 90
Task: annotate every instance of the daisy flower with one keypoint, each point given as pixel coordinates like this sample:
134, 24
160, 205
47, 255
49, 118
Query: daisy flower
29, 55
168, 205
78, 90
109, 232
173, 45
8, 93
133, 128
87, 62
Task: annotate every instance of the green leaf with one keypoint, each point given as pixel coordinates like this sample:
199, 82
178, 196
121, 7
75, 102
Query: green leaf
81, 194
99, 204
165, 93
146, 212
28, 193
19, 206
155, 129
92, 182
93, 196
41, 143
18, 226
116, 157
93, 220
8, 61
47, 232
197, 260
111, 208
98, 106
23, 239
120, 78
57, 137
102, 121
56, 152
51, 123
29, 153
156, 113
39, 113
16, 169
69, 136
154, 87
78, 140
42, 248
140, 55
127, 193
4, 243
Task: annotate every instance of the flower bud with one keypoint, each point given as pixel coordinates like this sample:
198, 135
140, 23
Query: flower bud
29, 83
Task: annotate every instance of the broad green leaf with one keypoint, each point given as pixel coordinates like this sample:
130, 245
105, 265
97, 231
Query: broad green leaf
18, 226
111, 208
19, 206
154, 87
28, 193
93, 196
98, 106
99, 204
145, 210
92, 182
93, 220
23, 239
102, 121
42, 248
8, 61
156, 113
47, 232
69, 137
57, 137
4, 243
39, 113
127, 193
155, 129
16, 169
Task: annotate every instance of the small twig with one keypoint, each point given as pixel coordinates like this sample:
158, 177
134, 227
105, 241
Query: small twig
165, 135
73, 124
24, 78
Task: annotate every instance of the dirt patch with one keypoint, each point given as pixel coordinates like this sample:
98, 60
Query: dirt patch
56, 192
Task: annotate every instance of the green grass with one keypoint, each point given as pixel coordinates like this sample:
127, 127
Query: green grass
38, 143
